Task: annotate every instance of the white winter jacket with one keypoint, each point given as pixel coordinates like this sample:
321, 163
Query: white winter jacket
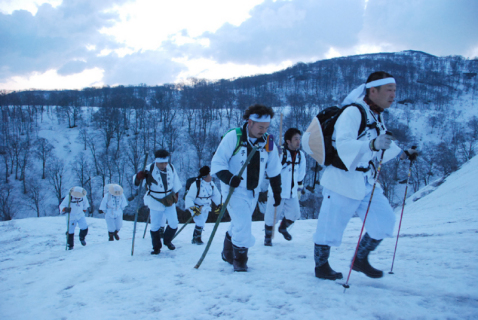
113, 205
224, 159
158, 190
78, 206
355, 153
207, 192
289, 192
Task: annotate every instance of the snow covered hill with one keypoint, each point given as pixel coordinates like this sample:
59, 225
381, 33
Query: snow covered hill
434, 276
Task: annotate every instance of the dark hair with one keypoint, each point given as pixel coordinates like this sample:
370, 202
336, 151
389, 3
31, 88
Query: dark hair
258, 109
204, 171
290, 133
376, 76
161, 154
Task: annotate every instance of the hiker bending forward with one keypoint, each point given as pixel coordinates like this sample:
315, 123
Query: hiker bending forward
347, 192
228, 160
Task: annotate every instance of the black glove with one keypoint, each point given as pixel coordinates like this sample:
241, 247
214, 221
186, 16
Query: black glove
277, 199
263, 197
101, 211
67, 209
411, 154
218, 209
195, 210
235, 182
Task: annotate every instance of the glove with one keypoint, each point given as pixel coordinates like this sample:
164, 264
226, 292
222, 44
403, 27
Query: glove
411, 154
218, 209
277, 199
235, 182
101, 211
263, 197
195, 210
141, 175
300, 187
67, 210
382, 142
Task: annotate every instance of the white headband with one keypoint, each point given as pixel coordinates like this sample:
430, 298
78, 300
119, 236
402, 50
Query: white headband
380, 82
161, 160
360, 90
257, 118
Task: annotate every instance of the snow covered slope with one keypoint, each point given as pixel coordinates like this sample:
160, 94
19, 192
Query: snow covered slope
435, 270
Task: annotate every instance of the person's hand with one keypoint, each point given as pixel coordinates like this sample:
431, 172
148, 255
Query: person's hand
410, 154
277, 199
195, 210
101, 211
382, 142
67, 209
235, 182
218, 209
142, 175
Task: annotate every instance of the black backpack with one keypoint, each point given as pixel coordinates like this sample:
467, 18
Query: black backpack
189, 182
284, 157
327, 119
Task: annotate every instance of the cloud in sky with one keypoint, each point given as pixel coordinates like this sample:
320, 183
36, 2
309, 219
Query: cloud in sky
146, 41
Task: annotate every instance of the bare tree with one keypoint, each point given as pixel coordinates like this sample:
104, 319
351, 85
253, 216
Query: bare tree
35, 196
42, 150
8, 204
56, 171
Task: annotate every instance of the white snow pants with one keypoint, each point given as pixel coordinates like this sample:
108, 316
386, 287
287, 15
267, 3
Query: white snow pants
201, 219
80, 221
157, 218
241, 208
288, 208
337, 210
113, 222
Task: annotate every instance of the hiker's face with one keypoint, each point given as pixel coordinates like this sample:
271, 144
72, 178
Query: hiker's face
161, 165
383, 96
257, 129
294, 143
208, 178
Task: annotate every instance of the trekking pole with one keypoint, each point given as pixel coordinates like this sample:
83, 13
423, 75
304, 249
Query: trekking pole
147, 222
401, 215
346, 285
223, 208
137, 206
68, 226
184, 226
280, 149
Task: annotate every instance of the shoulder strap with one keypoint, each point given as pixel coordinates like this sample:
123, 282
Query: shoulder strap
198, 186
240, 138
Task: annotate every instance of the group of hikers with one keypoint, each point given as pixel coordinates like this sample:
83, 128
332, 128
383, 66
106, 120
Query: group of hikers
246, 157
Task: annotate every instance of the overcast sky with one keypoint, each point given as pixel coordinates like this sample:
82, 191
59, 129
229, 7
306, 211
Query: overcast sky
68, 44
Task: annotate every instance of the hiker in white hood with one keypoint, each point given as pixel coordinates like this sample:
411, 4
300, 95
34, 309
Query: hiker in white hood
112, 206
74, 206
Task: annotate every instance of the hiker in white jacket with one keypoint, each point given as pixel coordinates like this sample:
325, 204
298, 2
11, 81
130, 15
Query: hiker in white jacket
112, 206
75, 206
348, 192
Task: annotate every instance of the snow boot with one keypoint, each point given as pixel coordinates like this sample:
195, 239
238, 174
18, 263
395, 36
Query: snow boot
71, 240
226, 253
322, 267
361, 264
115, 234
268, 237
111, 236
240, 258
168, 237
161, 232
285, 223
156, 241
83, 234
197, 236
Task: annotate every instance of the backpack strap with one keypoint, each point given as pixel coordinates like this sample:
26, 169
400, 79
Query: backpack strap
198, 186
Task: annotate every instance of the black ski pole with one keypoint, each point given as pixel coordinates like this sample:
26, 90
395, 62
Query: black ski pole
401, 215
346, 285
184, 226
146, 227
137, 207
223, 208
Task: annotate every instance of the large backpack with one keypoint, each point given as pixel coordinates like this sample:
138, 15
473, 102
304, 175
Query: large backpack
284, 157
327, 119
242, 140
189, 182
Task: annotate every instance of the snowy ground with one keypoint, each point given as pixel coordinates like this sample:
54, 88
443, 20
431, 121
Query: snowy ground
435, 270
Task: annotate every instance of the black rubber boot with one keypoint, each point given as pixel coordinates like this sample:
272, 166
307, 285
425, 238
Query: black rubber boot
71, 241
156, 241
322, 267
197, 236
111, 236
161, 232
226, 253
361, 263
240, 259
283, 228
168, 236
115, 234
268, 237
83, 234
